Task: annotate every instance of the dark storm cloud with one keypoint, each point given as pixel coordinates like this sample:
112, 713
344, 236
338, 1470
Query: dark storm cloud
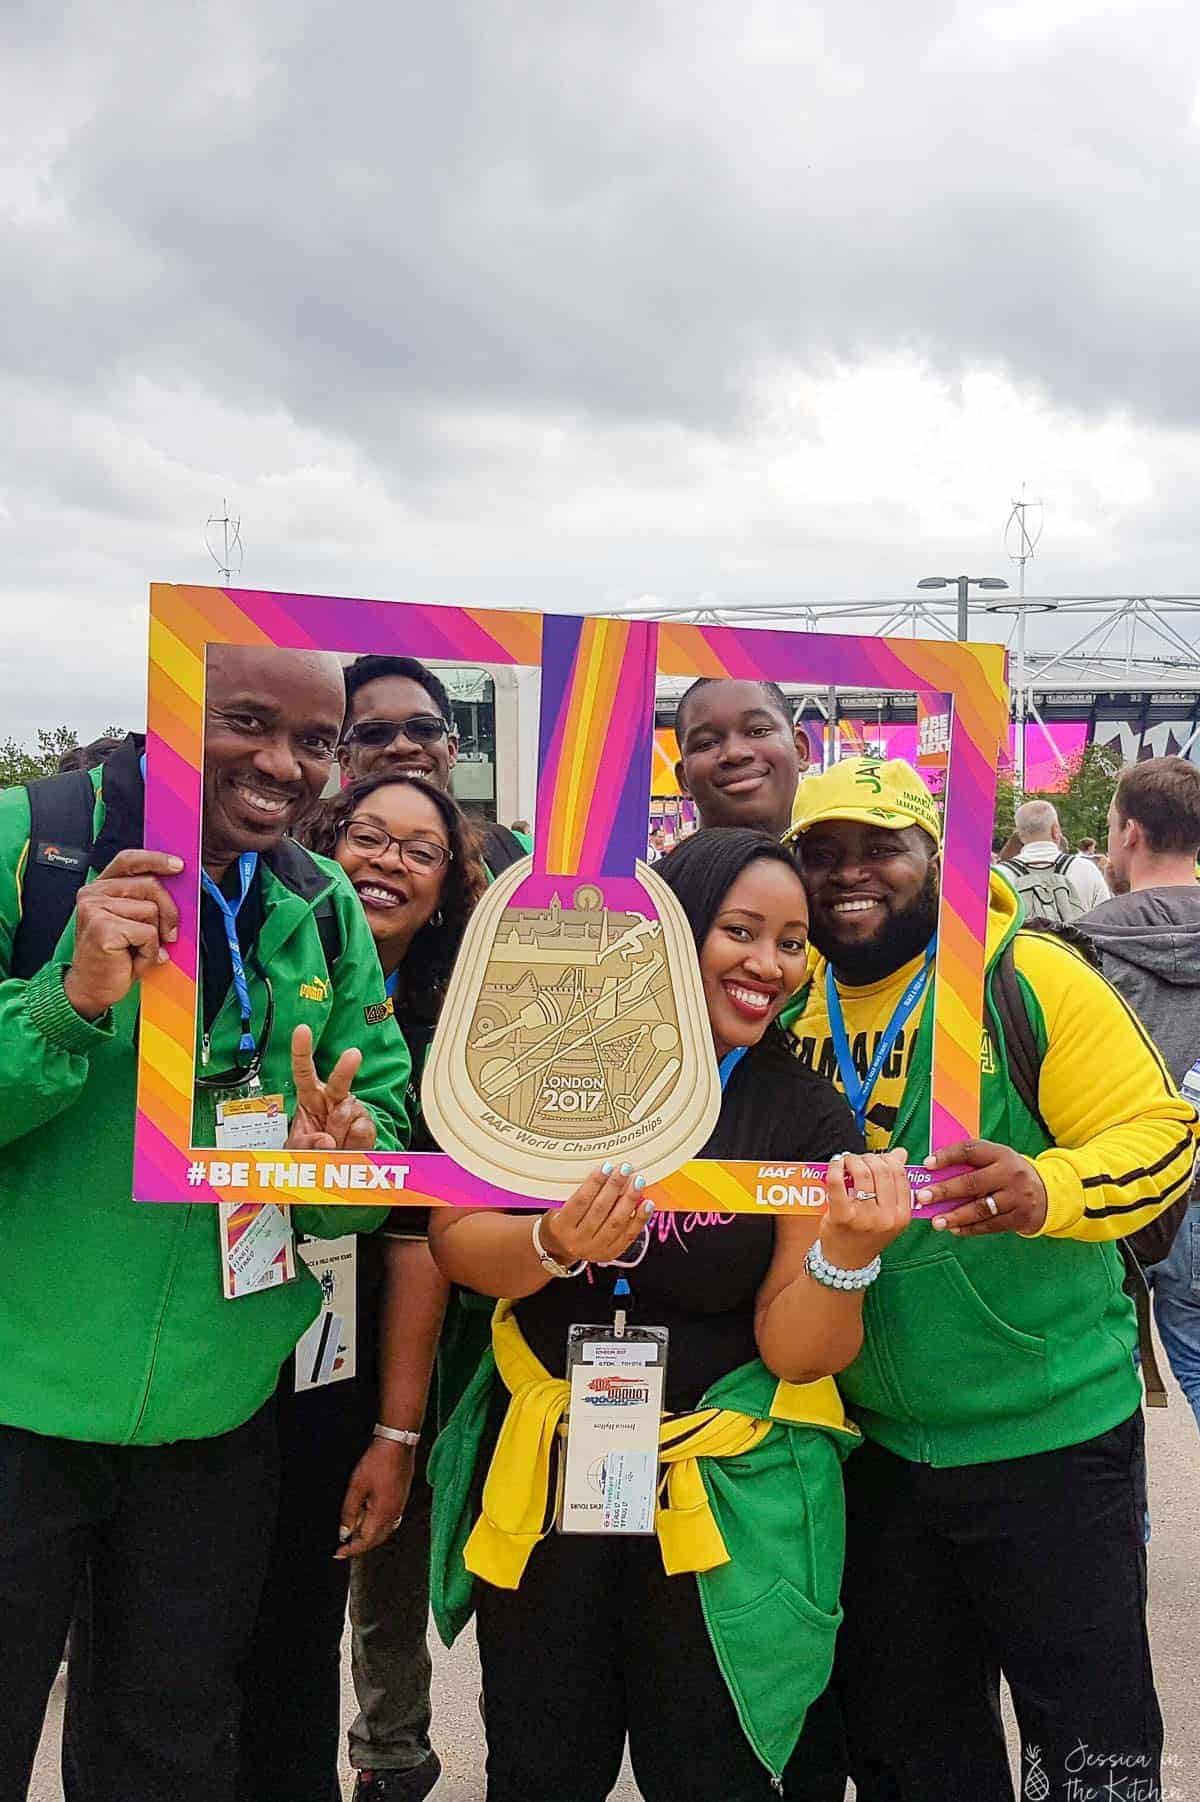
625, 211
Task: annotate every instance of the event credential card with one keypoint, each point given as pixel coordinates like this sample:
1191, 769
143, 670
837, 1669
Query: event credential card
610, 1484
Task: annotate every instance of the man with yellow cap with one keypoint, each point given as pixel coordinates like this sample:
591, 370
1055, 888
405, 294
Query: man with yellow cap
994, 1516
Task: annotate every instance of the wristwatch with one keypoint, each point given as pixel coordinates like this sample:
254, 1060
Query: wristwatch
549, 1264
401, 1435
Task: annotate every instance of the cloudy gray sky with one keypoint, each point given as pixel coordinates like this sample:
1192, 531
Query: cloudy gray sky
523, 302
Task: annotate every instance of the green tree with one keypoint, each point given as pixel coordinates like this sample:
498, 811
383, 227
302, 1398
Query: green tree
1006, 807
1082, 803
20, 764
17, 764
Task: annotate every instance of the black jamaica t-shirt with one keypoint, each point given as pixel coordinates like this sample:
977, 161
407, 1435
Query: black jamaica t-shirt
699, 1274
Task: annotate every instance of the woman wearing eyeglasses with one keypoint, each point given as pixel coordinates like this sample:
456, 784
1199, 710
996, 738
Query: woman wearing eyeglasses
706, 1649
349, 1448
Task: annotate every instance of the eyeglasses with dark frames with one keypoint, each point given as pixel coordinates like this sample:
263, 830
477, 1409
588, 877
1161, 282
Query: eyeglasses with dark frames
420, 855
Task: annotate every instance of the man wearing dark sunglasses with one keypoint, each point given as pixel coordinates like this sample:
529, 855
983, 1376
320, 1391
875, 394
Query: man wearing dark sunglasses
137, 1435
399, 720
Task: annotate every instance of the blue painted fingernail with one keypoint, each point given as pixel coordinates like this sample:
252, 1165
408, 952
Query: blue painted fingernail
606, 1169
647, 1207
639, 1182
626, 1169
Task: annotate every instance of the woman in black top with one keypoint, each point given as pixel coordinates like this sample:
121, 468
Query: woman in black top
412, 857
596, 1643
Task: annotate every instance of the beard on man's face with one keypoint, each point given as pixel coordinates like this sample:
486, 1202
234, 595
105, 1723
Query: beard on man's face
902, 936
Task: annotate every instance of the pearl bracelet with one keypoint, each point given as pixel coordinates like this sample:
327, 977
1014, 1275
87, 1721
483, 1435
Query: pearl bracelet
831, 1277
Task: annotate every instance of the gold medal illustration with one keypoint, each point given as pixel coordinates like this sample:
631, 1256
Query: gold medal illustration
574, 1030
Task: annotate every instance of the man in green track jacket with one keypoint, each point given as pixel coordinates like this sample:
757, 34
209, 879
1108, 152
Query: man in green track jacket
137, 1444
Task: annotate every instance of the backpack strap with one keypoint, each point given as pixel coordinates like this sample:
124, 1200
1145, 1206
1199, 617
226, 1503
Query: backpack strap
1024, 1069
1020, 1043
61, 815
1063, 861
328, 930
1136, 1284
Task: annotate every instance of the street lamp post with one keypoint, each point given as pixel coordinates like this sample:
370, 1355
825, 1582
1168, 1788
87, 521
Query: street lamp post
964, 585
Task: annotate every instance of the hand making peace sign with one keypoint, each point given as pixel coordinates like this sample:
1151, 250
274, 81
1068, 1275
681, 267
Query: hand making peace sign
328, 1117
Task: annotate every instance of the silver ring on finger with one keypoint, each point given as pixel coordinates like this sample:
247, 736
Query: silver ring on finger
864, 1195
989, 1202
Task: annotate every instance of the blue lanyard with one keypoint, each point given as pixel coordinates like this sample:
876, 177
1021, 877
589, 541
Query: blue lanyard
729, 1064
247, 865
858, 1094
389, 984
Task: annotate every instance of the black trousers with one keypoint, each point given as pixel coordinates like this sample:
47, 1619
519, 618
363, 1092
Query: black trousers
597, 1644
1033, 1567
164, 1547
291, 1675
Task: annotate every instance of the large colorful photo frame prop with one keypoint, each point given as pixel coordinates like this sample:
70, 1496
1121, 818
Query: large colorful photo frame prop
589, 807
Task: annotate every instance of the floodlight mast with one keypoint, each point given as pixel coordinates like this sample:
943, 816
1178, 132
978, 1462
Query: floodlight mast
964, 585
1019, 532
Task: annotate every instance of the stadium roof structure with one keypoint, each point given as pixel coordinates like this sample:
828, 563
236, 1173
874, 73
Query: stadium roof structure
1147, 644
1131, 660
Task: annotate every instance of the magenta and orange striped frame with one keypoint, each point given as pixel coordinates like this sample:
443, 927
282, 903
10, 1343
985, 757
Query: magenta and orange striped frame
576, 795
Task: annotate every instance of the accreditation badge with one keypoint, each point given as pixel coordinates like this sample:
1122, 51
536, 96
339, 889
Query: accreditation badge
257, 1244
257, 1247
328, 1352
251, 1122
610, 1474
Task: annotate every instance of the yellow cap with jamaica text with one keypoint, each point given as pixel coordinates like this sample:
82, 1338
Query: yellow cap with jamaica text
876, 791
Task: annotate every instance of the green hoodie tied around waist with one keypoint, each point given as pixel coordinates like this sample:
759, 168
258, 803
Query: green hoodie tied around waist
778, 1509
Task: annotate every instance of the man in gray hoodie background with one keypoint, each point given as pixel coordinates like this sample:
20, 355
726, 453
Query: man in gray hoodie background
1149, 938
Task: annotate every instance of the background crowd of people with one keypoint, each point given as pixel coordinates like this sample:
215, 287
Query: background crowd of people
902, 1459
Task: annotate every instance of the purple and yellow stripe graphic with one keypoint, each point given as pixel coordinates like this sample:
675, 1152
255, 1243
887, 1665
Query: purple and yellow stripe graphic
975, 676
183, 620
596, 740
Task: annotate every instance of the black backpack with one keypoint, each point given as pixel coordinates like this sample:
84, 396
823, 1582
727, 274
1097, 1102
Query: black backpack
1146, 1246
61, 843
501, 848
60, 856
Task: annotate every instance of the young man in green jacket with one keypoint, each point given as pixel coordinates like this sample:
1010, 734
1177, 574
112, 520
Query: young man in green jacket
137, 1443
994, 1517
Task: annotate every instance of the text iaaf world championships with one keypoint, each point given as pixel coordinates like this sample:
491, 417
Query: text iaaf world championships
802, 1186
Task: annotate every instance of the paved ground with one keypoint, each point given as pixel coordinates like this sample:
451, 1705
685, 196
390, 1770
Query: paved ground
1174, 1610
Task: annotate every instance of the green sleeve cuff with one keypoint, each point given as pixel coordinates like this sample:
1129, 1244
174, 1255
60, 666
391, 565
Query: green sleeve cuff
53, 1016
